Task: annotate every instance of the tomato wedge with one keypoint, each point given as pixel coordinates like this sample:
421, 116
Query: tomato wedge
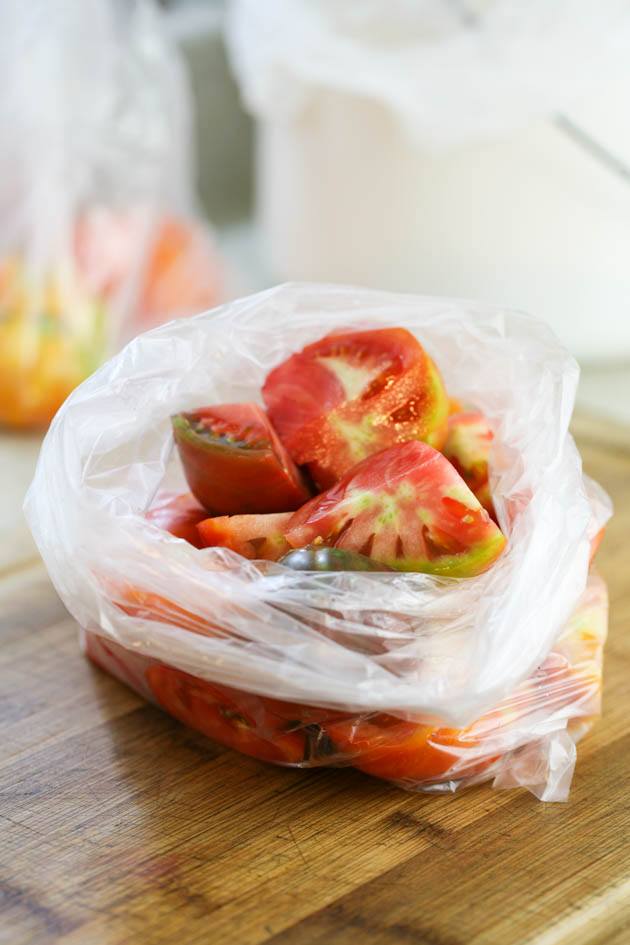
352, 394
390, 748
468, 447
234, 462
236, 719
407, 507
253, 536
179, 515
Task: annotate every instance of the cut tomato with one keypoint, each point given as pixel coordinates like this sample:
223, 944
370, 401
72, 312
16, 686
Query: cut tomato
407, 507
253, 536
234, 462
388, 747
353, 394
468, 447
179, 515
236, 719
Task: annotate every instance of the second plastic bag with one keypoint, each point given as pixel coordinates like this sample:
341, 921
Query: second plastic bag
99, 237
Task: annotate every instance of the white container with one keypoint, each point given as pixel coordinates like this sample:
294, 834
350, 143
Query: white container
352, 187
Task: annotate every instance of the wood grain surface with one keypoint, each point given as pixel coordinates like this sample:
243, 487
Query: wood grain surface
118, 825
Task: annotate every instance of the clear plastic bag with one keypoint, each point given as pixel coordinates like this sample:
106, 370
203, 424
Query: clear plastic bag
98, 231
411, 646
527, 740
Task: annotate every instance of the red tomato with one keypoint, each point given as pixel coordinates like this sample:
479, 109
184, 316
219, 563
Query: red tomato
179, 515
253, 536
234, 461
236, 719
352, 394
468, 447
407, 507
391, 748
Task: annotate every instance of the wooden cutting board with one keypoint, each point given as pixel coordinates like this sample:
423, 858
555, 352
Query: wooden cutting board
118, 825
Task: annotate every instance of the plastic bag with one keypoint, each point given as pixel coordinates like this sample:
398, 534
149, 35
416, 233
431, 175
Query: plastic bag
409, 645
527, 740
98, 236
451, 72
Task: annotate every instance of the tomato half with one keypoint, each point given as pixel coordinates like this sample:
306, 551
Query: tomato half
178, 515
468, 447
391, 748
236, 719
235, 463
352, 394
253, 536
407, 507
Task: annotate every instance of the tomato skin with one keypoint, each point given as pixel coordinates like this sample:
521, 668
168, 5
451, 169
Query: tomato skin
467, 447
253, 536
352, 394
178, 515
407, 507
234, 462
236, 719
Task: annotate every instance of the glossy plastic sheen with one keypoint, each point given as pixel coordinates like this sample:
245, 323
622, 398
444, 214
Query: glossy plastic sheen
407, 644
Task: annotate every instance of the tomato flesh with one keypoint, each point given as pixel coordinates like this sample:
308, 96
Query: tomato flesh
228, 716
234, 462
253, 536
468, 447
352, 394
406, 507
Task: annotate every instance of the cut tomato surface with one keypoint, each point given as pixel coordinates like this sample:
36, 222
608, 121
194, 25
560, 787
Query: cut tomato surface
235, 463
236, 719
407, 507
352, 394
468, 447
179, 515
253, 536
